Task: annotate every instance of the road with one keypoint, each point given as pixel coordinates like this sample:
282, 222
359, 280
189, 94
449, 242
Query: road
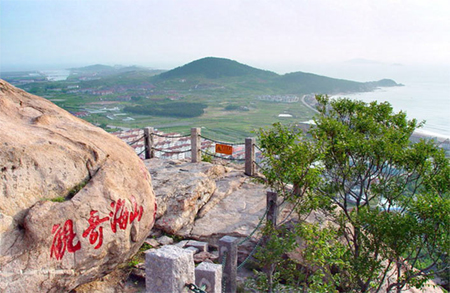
307, 105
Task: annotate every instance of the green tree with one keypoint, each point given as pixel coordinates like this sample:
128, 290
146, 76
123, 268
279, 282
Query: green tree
387, 200
293, 172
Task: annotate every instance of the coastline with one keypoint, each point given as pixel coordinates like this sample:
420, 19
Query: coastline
425, 134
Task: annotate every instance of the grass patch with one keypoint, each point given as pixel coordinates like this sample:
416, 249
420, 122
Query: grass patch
74, 190
139, 257
58, 199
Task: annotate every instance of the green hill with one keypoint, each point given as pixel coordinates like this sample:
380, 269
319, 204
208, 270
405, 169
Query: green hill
213, 68
301, 82
214, 72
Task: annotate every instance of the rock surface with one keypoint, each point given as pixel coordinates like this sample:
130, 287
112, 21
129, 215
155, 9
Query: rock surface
205, 201
107, 202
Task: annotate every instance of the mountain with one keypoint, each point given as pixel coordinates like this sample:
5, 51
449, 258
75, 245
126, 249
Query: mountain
105, 70
385, 83
93, 68
213, 68
313, 83
216, 72
213, 73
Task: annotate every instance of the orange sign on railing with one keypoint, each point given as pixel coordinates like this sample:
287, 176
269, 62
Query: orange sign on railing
224, 149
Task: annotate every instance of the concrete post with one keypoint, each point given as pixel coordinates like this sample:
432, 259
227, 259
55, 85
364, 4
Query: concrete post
148, 142
196, 145
209, 275
228, 256
272, 207
250, 156
168, 269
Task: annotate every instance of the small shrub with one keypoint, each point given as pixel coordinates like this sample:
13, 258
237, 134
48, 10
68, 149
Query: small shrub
207, 158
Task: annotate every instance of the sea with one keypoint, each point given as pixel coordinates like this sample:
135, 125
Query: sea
429, 102
425, 95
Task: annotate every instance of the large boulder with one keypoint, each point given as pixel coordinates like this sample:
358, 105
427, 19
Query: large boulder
75, 201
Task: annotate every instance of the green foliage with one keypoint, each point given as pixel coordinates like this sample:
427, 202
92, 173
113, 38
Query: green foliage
323, 258
291, 159
145, 247
387, 200
206, 157
399, 190
277, 242
133, 262
319, 250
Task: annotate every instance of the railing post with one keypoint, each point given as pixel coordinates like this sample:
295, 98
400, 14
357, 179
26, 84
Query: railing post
209, 275
272, 207
228, 256
250, 156
148, 142
196, 145
168, 269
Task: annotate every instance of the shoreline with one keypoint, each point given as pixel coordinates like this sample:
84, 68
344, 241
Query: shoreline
420, 133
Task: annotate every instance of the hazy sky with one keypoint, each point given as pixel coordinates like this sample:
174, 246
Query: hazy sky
276, 35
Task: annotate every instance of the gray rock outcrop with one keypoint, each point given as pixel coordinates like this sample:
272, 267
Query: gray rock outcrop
75, 201
205, 201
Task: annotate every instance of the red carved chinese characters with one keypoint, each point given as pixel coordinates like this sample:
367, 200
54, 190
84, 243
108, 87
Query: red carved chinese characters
119, 215
63, 240
137, 211
64, 236
95, 235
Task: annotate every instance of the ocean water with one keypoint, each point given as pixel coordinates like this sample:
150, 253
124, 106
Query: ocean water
425, 97
429, 102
